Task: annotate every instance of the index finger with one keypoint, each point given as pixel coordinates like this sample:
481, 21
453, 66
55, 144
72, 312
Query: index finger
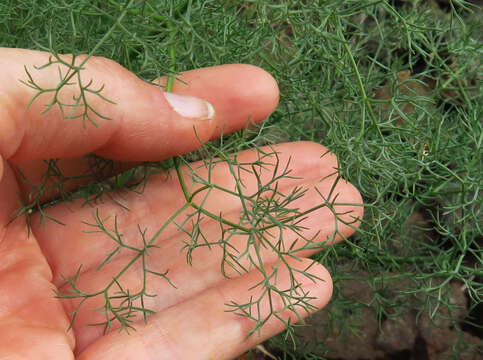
145, 123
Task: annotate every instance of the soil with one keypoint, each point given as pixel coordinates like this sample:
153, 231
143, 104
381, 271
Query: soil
407, 335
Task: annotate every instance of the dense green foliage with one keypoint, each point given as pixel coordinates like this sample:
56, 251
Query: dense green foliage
392, 87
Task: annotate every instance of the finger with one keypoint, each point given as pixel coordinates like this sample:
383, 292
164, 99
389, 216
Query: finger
241, 94
201, 328
163, 196
147, 124
203, 271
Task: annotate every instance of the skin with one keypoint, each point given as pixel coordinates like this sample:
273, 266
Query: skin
190, 321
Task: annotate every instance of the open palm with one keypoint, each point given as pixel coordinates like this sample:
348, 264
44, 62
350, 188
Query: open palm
191, 321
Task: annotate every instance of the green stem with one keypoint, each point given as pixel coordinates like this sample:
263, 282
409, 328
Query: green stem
365, 100
172, 66
106, 36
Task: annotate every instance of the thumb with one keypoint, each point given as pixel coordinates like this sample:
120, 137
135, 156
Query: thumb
145, 122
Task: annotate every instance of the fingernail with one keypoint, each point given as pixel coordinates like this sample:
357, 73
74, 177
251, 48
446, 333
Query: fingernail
190, 107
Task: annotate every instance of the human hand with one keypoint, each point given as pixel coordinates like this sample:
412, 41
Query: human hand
191, 321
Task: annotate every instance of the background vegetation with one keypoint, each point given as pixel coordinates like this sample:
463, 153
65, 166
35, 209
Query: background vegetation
392, 87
